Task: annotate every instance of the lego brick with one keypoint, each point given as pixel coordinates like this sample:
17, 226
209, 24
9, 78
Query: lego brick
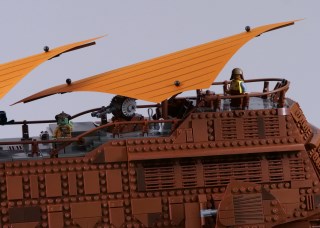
248, 208
176, 212
202, 198
141, 184
116, 217
143, 218
180, 137
87, 209
87, 222
286, 170
144, 206
200, 131
217, 129
226, 221
226, 214
290, 208
54, 208
189, 135
72, 182
301, 184
264, 164
25, 225
148, 220
16, 215
115, 203
266, 204
261, 127
24, 214
240, 129
226, 203
282, 126
192, 215
180, 177
115, 154
14, 187
34, 186
53, 185
200, 175
286, 195
91, 182
300, 224
114, 180
175, 199
55, 219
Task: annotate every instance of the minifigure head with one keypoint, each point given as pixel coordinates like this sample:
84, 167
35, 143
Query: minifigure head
236, 74
62, 119
209, 92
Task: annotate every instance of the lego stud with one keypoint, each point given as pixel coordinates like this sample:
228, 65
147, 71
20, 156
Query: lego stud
46, 48
68, 81
177, 83
247, 28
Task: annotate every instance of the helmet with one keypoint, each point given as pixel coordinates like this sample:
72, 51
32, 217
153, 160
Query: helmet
236, 71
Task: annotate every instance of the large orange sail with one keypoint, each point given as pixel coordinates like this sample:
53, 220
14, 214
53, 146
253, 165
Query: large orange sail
160, 78
12, 72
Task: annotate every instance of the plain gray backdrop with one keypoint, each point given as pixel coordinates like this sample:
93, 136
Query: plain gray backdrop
139, 30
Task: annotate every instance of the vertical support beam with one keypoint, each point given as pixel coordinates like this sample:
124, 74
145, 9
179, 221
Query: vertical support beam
245, 102
265, 89
281, 99
225, 87
164, 108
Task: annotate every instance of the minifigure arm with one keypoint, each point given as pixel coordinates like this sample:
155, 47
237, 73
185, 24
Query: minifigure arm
55, 133
243, 87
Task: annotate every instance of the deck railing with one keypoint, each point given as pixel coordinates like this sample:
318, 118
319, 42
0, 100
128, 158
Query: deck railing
277, 95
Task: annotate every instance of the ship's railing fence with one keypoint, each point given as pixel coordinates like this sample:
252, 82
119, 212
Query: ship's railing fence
64, 142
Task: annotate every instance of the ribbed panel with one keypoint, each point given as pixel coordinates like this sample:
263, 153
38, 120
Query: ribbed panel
297, 169
220, 174
275, 170
159, 178
229, 130
189, 175
250, 128
248, 209
271, 126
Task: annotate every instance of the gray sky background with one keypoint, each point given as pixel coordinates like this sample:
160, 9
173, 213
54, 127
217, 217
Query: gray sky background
142, 29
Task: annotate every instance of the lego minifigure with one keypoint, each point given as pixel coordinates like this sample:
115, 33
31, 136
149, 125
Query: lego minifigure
64, 127
237, 87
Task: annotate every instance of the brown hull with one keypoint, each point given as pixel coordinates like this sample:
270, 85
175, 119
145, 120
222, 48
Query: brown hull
257, 168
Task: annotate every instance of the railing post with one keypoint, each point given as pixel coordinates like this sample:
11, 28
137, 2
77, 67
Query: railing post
25, 130
265, 89
281, 99
25, 136
145, 128
116, 131
164, 109
245, 102
225, 87
217, 103
35, 148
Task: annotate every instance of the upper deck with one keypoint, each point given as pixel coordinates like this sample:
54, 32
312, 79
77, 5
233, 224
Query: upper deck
175, 114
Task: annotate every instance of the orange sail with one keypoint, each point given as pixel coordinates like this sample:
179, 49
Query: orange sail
160, 78
12, 72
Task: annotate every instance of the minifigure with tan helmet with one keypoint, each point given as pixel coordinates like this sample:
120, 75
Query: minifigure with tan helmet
237, 86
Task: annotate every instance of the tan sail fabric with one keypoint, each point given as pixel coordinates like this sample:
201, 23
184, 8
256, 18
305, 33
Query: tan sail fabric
12, 72
158, 79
